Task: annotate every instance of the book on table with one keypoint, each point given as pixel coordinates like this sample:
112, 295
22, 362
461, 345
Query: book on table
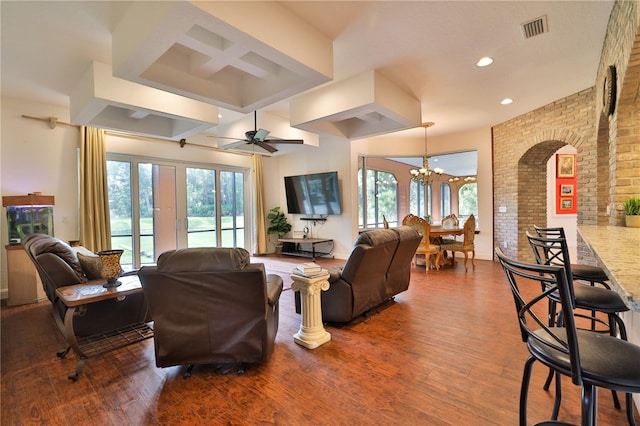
308, 268
319, 273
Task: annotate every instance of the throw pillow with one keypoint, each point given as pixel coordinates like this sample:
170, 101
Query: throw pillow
91, 265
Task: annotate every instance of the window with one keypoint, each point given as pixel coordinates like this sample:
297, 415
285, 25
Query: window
419, 199
378, 194
157, 206
468, 201
445, 200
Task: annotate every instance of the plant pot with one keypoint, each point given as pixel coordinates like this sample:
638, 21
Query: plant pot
632, 221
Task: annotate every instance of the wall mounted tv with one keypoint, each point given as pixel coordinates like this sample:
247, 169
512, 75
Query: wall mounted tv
313, 194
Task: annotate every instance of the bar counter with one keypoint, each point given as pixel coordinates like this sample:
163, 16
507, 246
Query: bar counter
617, 249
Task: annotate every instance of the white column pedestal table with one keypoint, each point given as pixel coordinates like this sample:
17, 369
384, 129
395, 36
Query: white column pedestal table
312, 333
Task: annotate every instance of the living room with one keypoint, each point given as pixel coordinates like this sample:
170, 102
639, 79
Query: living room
37, 157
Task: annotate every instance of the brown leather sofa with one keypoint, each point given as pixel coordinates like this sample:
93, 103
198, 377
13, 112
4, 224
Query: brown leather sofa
378, 268
58, 265
211, 306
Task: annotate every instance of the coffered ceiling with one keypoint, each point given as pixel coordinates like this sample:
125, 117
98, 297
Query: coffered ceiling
277, 56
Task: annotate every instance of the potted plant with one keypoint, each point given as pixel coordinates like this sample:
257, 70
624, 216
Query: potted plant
278, 224
632, 211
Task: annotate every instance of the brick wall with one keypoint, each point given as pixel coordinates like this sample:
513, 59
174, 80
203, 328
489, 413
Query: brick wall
608, 147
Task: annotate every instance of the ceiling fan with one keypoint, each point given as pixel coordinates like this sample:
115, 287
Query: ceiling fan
258, 137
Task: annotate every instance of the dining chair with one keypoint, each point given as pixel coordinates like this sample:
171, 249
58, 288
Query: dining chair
554, 251
426, 247
450, 222
591, 360
465, 246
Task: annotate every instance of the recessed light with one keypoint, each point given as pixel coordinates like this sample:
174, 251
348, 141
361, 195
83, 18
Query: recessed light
506, 101
219, 115
484, 61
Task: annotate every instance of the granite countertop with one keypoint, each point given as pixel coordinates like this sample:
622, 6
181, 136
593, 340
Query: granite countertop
617, 250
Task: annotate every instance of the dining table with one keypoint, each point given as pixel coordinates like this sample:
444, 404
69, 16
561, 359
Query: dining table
436, 232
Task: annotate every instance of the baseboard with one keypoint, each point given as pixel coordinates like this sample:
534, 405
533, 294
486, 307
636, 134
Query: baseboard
4, 293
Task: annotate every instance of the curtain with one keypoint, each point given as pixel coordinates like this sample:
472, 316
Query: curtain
261, 229
95, 227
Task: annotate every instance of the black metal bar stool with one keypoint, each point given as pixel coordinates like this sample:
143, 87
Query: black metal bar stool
554, 251
591, 359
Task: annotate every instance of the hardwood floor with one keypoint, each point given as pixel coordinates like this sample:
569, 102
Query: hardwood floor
445, 352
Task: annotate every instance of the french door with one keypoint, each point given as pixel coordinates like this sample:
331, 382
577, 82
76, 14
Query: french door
157, 206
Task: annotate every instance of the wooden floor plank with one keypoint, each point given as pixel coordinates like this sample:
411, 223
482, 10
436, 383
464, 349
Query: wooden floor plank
445, 352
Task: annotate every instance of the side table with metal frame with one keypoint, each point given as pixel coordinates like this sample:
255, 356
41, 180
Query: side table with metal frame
75, 296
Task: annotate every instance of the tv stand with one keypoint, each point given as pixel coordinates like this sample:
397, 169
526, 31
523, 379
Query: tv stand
295, 247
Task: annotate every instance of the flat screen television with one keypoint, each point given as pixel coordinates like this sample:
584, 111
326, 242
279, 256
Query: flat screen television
313, 194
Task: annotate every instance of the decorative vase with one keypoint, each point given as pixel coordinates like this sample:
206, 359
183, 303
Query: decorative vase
111, 268
632, 221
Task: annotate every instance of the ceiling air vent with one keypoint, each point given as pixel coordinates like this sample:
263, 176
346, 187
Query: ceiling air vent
535, 27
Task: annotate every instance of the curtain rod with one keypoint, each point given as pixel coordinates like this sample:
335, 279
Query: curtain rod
53, 121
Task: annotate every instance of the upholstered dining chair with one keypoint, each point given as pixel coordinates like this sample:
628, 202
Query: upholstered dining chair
465, 246
591, 359
450, 221
554, 251
425, 248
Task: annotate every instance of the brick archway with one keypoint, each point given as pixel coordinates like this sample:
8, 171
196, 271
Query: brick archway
532, 182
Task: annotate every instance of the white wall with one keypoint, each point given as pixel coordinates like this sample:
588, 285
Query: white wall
567, 221
332, 154
38, 158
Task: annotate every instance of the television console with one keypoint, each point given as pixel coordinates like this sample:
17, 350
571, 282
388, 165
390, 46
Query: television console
295, 247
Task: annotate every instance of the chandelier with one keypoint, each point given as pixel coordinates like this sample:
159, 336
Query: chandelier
423, 174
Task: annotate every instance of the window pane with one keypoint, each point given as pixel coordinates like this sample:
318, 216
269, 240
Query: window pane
201, 207
468, 200
120, 210
145, 219
232, 208
419, 205
445, 194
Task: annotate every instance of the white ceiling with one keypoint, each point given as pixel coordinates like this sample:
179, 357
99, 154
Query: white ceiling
427, 48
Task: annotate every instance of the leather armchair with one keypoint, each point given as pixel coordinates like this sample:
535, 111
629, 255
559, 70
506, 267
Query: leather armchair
211, 306
58, 265
378, 268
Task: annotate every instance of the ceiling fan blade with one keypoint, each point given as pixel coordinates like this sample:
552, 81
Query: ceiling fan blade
236, 144
289, 141
224, 137
265, 146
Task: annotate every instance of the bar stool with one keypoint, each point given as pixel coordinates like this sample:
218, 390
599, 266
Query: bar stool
590, 359
592, 274
554, 252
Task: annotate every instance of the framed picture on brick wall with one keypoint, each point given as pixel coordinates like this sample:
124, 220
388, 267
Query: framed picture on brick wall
566, 190
566, 165
566, 204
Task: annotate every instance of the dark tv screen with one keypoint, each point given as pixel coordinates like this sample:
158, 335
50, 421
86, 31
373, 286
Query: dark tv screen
313, 194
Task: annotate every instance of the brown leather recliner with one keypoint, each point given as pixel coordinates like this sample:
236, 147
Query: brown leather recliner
378, 268
58, 265
211, 306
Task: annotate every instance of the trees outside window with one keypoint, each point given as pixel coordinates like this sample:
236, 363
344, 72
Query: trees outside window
445, 200
155, 207
378, 192
420, 199
468, 200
